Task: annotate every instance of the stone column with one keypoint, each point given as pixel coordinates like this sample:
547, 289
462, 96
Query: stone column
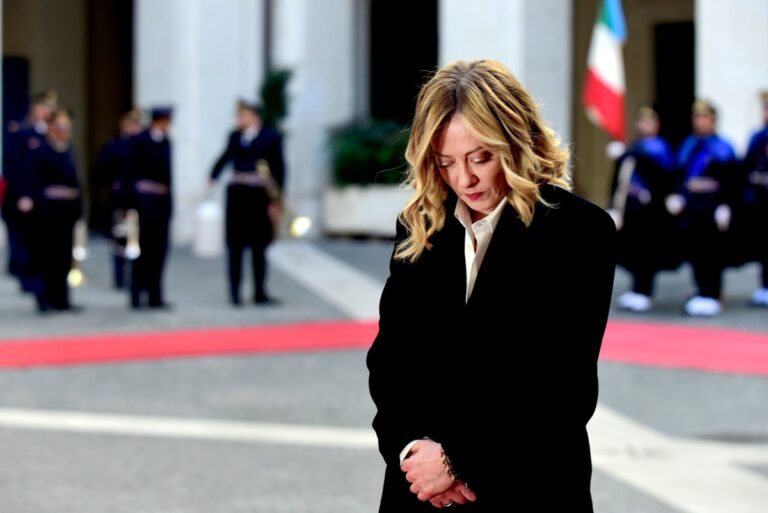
732, 63
495, 31
316, 40
533, 39
200, 56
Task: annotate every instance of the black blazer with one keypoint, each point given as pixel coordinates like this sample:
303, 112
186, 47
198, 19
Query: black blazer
266, 145
150, 160
506, 382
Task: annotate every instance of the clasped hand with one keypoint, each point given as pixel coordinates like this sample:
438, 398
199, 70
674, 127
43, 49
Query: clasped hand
425, 470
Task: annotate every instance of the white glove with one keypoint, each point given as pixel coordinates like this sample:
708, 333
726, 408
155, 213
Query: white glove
618, 219
675, 204
615, 149
723, 217
25, 204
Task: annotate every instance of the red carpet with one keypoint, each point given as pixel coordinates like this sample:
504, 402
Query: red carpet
676, 346
186, 343
668, 345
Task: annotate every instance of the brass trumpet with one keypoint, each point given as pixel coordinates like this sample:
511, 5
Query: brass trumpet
298, 226
76, 276
132, 248
126, 233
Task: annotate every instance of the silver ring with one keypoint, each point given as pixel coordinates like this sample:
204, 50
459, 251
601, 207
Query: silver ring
448, 504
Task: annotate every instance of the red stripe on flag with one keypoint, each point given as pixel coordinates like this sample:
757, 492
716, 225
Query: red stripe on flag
605, 104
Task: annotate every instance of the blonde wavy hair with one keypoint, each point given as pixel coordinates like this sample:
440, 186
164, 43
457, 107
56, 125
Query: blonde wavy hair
505, 119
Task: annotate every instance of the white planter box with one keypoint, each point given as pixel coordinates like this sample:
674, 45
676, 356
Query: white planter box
364, 209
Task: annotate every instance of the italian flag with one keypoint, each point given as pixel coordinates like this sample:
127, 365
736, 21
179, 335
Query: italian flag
604, 85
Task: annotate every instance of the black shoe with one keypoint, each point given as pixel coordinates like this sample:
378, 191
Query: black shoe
44, 308
161, 306
69, 308
235, 301
264, 300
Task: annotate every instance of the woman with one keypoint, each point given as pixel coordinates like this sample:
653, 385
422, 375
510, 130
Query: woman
484, 367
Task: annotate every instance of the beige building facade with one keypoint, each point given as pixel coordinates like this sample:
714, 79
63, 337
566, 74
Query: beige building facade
202, 55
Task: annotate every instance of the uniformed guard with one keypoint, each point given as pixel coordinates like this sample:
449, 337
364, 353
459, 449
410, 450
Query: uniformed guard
24, 138
250, 206
704, 201
112, 172
755, 204
59, 206
647, 238
151, 196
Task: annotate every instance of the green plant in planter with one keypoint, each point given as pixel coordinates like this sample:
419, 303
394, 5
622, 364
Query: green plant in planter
369, 152
274, 97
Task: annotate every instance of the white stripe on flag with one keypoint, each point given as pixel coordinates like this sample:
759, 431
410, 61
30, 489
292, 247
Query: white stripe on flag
605, 58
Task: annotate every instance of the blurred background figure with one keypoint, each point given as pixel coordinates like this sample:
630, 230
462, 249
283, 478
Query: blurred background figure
56, 191
647, 234
23, 139
250, 210
150, 195
112, 172
707, 167
755, 204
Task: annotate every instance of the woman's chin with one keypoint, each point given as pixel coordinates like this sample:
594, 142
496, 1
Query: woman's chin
481, 206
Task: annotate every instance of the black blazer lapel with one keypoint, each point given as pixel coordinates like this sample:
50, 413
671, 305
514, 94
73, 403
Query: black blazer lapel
502, 258
455, 270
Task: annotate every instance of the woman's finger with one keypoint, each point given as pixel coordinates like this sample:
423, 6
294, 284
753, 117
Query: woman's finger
464, 491
437, 502
451, 495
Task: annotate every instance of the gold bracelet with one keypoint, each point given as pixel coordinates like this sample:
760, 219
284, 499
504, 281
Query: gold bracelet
447, 465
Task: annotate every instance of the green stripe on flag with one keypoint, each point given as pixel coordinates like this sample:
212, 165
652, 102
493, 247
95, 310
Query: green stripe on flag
602, 16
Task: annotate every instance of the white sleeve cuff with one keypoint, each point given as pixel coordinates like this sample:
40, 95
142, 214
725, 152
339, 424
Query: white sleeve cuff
407, 449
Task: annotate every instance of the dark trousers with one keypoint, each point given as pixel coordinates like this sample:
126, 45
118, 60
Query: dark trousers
50, 252
15, 249
648, 243
20, 234
119, 264
643, 281
247, 226
29, 251
706, 244
764, 274
147, 270
748, 240
57, 262
235, 268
